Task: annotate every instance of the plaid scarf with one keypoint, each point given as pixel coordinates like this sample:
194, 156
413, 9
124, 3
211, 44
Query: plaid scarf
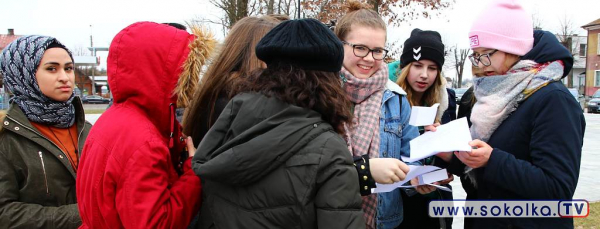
499, 96
363, 135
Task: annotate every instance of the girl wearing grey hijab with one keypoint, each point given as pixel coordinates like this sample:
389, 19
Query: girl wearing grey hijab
41, 136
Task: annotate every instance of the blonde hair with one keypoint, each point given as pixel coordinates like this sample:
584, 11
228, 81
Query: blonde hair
430, 96
358, 14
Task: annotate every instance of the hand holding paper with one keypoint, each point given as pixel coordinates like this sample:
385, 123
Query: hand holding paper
452, 136
415, 171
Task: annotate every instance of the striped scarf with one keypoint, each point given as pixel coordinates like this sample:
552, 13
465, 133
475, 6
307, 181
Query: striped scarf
18, 63
363, 136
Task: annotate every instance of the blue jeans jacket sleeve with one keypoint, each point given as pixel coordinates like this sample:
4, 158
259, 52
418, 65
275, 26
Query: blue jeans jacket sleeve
409, 132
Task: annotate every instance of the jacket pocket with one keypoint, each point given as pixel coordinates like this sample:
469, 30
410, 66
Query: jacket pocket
391, 139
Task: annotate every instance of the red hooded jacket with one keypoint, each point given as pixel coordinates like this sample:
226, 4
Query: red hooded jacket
126, 176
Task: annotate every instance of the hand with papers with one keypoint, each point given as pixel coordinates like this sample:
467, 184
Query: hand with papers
423, 189
427, 175
387, 170
478, 157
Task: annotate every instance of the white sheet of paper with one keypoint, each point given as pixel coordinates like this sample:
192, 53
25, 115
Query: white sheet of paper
443, 188
415, 170
422, 116
452, 136
434, 176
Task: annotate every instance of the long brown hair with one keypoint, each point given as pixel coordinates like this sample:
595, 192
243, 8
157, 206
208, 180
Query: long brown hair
358, 14
430, 96
317, 90
236, 58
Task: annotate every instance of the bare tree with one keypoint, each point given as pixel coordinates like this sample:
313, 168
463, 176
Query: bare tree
80, 51
537, 21
237, 9
565, 36
394, 11
234, 10
394, 51
460, 57
456, 59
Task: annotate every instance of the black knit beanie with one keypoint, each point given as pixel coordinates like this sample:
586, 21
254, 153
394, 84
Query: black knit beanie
306, 43
423, 45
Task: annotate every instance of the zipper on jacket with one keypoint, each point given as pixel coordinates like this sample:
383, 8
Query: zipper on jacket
79, 137
44, 169
41, 135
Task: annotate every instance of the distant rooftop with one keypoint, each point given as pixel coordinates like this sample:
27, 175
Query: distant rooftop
6, 39
594, 23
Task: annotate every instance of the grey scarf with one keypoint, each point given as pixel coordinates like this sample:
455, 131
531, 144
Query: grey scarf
499, 96
18, 63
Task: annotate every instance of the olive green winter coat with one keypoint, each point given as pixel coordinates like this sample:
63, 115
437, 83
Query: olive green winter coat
37, 182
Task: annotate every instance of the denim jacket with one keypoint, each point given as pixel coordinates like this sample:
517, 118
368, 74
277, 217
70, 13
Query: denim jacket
395, 133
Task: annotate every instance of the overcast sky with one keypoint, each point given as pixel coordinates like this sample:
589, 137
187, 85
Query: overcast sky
70, 20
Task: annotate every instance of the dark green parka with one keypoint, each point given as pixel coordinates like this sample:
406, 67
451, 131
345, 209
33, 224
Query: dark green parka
268, 164
37, 182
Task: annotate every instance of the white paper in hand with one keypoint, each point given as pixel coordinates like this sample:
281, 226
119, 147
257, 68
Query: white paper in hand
415, 170
452, 136
423, 116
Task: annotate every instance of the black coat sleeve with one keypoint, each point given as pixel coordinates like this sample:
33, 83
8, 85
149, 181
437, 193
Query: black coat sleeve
337, 202
365, 179
555, 151
465, 105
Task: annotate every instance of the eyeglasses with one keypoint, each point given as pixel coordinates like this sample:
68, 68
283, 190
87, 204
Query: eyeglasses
483, 58
362, 51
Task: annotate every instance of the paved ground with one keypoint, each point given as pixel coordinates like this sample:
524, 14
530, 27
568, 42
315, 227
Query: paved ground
589, 177
94, 106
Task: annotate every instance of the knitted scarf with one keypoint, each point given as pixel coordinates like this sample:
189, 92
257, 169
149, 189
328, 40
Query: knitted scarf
363, 135
499, 96
18, 63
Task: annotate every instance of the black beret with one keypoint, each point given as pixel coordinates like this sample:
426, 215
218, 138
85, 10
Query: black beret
306, 43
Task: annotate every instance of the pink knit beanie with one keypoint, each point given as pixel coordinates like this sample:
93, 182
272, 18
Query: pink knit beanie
503, 25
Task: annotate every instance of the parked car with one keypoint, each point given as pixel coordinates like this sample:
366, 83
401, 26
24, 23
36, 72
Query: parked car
594, 104
575, 93
459, 93
95, 99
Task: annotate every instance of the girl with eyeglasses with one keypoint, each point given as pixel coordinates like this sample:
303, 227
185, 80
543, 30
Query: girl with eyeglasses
379, 133
527, 127
421, 77
41, 137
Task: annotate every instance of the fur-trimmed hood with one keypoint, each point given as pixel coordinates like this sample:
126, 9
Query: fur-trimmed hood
161, 53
